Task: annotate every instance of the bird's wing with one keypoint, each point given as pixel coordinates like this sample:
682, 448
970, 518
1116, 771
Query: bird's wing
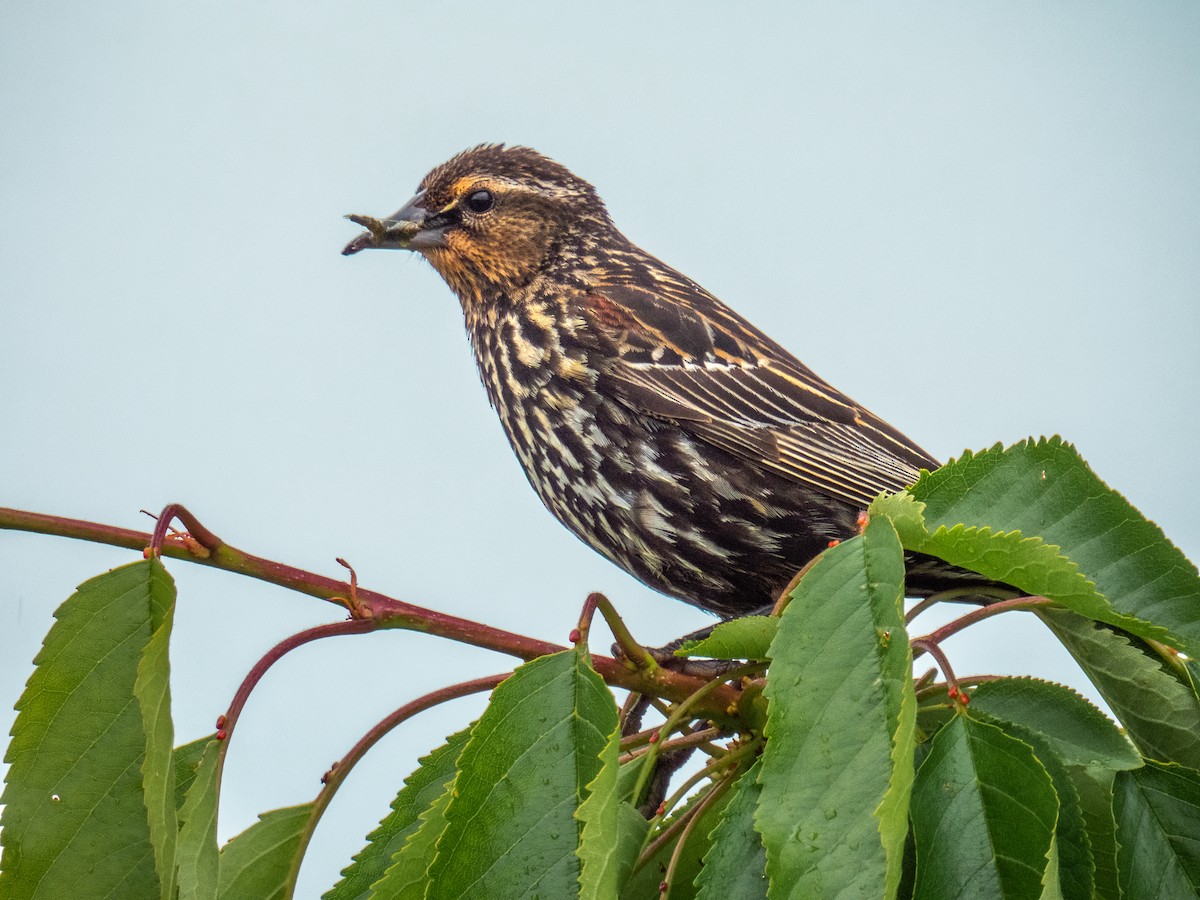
725, 382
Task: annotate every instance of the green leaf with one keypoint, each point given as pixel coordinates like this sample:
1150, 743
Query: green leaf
1077, 732
840, 726
892, 811
421, 789
197, 856
1051, 889
1010, 557
983, 813
746, 638
1076, 869
1095, 790
1157, 809
153, 693
632, 828
75, 820
604, 866
1044, 488
511, 820
736, 863
1160, 713
408, 875
187, 758
257, 864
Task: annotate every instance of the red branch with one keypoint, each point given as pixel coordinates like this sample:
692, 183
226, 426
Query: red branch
203, 547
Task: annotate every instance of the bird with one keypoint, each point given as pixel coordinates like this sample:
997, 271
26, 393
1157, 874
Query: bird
654, 422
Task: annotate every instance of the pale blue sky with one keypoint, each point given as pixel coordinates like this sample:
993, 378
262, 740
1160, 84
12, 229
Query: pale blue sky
980, 220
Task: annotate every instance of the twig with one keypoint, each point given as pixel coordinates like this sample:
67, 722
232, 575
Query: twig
986, 612
700, 808
681, 822
685, 709
710, 768
633, 745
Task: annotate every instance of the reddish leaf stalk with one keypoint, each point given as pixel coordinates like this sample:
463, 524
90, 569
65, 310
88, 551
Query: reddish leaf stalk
731, 758
924, 680
701, 739
226, 723
338, 771
276, 653
584, 629
920, 607
688, 815
692, 818
635, 744
935, 651
631, 742
986, 612
683, 710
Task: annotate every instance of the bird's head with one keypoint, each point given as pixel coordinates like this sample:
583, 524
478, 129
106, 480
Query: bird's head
489, 219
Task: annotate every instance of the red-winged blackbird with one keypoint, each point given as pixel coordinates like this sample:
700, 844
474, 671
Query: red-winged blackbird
657, 424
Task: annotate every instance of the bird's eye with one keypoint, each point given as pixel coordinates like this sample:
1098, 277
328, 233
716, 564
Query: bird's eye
481, 201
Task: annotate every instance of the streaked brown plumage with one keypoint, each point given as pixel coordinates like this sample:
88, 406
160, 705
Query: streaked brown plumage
661, 427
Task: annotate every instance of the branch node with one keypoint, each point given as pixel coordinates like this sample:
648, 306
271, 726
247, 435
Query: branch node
197, 540
358, 609
626, 649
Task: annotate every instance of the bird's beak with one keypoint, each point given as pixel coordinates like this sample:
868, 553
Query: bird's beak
409, 228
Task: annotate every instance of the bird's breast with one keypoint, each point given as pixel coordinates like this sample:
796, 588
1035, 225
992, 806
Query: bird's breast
639, 491
540, 385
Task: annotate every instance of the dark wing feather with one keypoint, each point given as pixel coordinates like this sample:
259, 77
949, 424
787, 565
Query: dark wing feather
675, 352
